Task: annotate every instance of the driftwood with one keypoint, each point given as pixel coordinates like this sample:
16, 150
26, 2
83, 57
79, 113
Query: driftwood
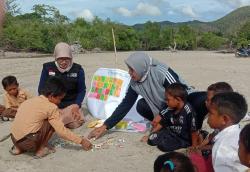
173, 50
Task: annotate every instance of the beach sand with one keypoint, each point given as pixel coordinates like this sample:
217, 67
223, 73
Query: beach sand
198, 68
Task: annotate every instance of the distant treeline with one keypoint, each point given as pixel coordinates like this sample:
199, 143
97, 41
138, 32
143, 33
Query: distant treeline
41, 29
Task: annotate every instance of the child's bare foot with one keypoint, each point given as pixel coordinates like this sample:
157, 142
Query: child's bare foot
42, 152
15, 151
144, 139
51, 148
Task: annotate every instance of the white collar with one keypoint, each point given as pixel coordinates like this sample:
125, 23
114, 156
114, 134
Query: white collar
226, 130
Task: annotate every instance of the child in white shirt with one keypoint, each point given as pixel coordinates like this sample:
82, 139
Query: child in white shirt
225, 112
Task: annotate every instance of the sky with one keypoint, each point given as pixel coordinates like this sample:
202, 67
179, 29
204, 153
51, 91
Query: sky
132, 12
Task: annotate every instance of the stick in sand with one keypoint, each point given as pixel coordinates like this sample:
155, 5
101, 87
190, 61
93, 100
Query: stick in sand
114, 46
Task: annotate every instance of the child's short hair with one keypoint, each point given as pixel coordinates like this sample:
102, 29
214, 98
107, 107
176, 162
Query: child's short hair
54, 87
245, 137
220, 87
9, 80
232, 104
177, 90
173, 162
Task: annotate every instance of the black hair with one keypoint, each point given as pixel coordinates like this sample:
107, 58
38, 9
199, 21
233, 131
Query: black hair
220, 87
9, 80
232, 104
173, 162
245, 137
54, 86
177, 90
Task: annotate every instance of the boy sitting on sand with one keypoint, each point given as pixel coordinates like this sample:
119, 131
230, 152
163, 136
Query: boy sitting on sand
201, 154
176, 127
12, 97
225, 112
38, 118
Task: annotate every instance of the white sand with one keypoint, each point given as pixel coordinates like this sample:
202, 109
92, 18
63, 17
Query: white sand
198, 68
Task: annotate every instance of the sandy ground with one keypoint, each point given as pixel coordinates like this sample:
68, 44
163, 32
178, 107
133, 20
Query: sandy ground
198, 68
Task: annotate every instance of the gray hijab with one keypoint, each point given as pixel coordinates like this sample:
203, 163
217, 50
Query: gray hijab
153, 74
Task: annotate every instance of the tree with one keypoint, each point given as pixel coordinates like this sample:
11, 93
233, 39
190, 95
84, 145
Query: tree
186, 38
211, 41
150, 36
243, 35
126, 38
167, 36
49, 14
12, 7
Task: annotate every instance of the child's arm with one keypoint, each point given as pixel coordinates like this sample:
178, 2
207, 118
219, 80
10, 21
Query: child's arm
156, 121
157, 128
195, 138
6, 101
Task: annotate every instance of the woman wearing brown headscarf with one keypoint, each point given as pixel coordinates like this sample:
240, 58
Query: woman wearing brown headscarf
73, 76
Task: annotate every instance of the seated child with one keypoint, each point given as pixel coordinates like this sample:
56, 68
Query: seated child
176, 128
173, 162
244, 146
225, 112
212, 90
12, 97
38, 118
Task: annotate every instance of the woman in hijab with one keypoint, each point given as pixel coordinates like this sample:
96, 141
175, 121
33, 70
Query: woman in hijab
149, 78
73, 76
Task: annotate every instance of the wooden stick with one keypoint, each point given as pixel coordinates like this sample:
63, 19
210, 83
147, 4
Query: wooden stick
114, 46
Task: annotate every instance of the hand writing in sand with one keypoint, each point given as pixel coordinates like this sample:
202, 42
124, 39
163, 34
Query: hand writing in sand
86, 145
97, 132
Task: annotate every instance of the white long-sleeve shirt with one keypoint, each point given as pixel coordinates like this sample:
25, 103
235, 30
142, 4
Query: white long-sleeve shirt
225, 151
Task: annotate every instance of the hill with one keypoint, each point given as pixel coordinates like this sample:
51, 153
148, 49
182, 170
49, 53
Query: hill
228, 24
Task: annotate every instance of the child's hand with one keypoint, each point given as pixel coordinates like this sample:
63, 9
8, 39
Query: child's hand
192, 149
156, 121
157, 127
86, 145
145, 138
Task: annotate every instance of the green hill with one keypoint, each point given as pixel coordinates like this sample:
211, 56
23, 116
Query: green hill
228, 24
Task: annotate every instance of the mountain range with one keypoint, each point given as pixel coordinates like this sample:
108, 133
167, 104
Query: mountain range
228, 24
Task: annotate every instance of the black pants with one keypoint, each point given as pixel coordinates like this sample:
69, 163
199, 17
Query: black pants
197, 100
167, 141
144, 110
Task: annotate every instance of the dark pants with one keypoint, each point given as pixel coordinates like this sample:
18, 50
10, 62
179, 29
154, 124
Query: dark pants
144, 110
167, 141
197, 100
33, 141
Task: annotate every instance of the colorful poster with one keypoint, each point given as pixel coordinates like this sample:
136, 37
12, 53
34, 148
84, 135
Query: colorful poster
105, 86
108, 88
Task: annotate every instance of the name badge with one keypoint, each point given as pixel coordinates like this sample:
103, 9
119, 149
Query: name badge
73, 75
52, 73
